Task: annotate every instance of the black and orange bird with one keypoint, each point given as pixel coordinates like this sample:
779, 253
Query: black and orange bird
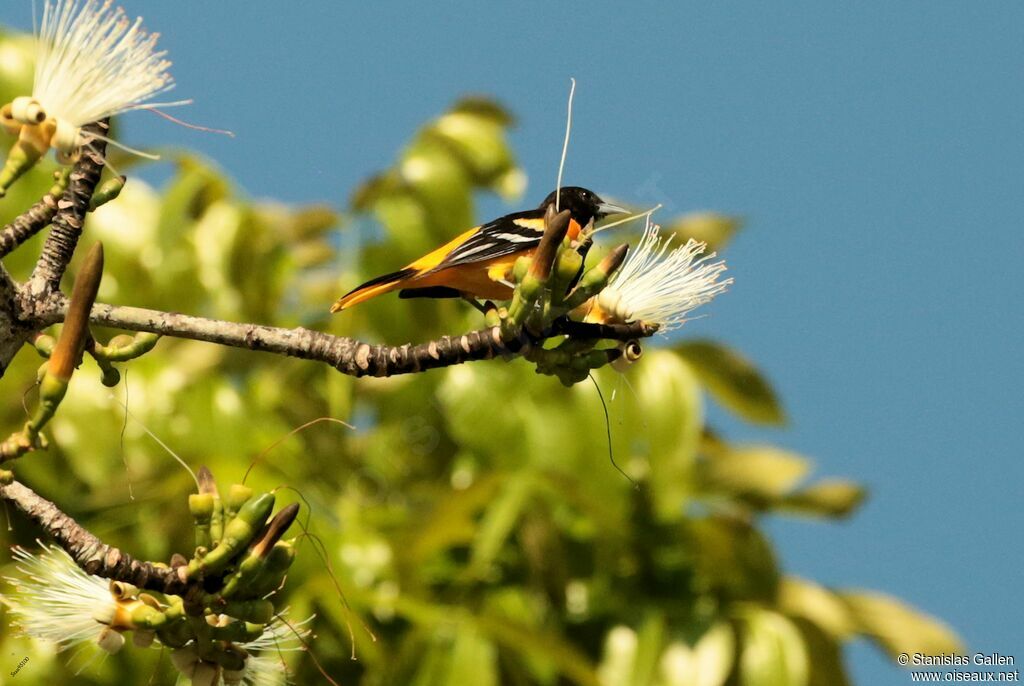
478, 262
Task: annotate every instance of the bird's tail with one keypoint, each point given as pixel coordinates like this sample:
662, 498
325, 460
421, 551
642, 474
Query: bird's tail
373, 288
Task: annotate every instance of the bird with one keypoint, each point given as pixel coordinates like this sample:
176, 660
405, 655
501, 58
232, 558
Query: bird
478, 262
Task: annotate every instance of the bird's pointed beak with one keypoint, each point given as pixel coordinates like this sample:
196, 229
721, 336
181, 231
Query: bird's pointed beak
607, 208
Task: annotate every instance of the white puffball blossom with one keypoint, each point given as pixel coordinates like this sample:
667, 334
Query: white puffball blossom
93, 62
660, 285
266, 666
55, 600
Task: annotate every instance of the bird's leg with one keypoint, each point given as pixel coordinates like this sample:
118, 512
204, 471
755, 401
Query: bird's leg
483, 307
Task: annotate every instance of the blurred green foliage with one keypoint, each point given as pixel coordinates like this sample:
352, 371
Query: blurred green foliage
472, 517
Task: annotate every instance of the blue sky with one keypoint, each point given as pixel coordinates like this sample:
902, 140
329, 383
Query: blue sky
874, 148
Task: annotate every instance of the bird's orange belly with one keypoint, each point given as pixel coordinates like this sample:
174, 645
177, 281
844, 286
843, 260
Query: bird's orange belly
482, 279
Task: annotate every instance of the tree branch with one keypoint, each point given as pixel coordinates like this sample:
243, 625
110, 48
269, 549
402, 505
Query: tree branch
13, 332
89, 552
347, 355
67, 224
27, 224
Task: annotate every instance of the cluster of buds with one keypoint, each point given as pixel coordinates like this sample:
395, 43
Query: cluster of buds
652, 287
215, 630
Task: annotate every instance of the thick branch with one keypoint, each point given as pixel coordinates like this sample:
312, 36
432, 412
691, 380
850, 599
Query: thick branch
347, 355
67, 224
89, 552
13, 333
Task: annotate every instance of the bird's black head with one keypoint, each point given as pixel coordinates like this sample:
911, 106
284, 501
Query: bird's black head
582, 204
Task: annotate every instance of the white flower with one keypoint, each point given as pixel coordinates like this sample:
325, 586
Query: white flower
92, 62
268, 667
659, 288
56, 601
264, 665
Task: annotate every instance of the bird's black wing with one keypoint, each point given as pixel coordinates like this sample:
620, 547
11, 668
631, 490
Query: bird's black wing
504, 236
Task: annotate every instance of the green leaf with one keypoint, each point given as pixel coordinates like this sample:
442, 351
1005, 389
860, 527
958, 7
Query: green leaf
543, 645
650, 643
372, 189
897, 627
773, 652
825, 656
473, 659
441, 182
485, 107
826, 498
498, 523
817, 604
733, 381
312, 221
734, 560
478, 142
434, 665
762, 473
710, 227
672, 420
451, 522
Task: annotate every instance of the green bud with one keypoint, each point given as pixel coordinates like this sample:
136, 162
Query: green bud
238, 533
202, 505
241, 631
107, 191
257, 611
273, 571
230, 658
595, 279
522, 265
207, 484
566, 268
122, 340
123, 348
146, 617
44, 344
109, 375
20, 159
176, 634
237, 496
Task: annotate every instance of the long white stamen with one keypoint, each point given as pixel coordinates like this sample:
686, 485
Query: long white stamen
268, 668
661, 287
565, 145
627, 218
93, 62
126, 148
54, 599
